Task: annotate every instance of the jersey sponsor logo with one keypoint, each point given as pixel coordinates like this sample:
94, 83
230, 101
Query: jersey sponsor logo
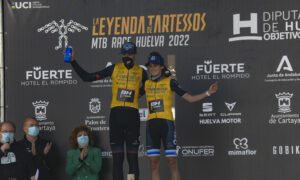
125, 95
156, 106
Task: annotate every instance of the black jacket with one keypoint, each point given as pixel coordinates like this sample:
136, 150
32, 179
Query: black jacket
44, 163
16, 163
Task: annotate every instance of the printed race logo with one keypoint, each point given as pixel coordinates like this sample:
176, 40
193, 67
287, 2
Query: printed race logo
285, 115
284, 102
143, 114
228, 116
283, 150
230, 106
267, 26
95, 105
284, 61
284, 72
40, 77
106, 154
40, 111
21, 5
209, 70
95, 120
62, 29
250, 24
241, 148
207, 107
240, 143
153, 30
195, 151
27, 5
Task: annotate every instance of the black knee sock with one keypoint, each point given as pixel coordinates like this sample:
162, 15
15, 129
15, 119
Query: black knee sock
132, 159
118, 159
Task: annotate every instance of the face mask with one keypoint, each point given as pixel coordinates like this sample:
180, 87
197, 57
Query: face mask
7, 137
33, 131
127, 60
83, 140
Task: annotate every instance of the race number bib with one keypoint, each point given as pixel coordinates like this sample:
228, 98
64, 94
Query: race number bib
125, 95
156, 106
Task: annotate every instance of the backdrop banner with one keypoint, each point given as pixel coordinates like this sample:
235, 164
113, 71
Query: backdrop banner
247, 130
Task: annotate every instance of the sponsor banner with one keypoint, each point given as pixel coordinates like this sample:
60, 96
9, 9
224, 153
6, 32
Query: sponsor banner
196, 151
285, 150
96, 121
249, 47
48, 77
28, 5
40, 111
241, 148
211, 117
106, 154
209, 70
266, 26
143, 114
285, 114
284, 72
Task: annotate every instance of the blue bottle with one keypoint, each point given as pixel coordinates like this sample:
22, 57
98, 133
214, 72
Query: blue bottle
68, 54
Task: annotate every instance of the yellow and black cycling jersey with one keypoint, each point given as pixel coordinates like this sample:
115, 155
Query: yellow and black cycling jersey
125, 85
127, 82
159, 94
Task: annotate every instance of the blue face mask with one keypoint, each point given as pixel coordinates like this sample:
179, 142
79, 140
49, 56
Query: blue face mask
83, 141
33, 131
8, 137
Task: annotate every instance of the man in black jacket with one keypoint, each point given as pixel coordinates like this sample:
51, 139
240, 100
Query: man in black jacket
40, 149
16, 163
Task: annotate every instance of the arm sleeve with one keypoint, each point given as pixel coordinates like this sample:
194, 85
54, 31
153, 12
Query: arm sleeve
144, 78
89, 77
73, 164
94, 164
176, 87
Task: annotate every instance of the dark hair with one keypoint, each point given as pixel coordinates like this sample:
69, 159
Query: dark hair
28, 119
73, 136
166, 72
8, 122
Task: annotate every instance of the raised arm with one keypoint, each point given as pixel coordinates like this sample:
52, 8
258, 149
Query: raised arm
89, 77
195, 98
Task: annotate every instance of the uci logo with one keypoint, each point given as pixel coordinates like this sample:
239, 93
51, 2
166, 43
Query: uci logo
21, 5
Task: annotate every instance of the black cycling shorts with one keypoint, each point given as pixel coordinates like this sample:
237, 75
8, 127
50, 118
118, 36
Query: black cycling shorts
157, 130
124, 125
